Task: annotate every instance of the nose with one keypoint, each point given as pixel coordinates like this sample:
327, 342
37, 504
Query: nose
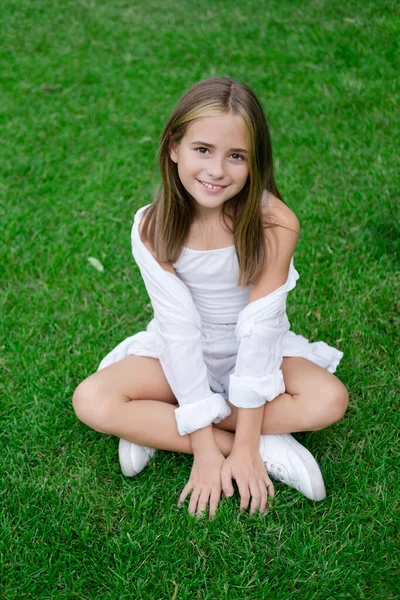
215, 168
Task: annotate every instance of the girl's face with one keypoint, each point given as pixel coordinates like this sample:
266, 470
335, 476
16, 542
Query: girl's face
212, 161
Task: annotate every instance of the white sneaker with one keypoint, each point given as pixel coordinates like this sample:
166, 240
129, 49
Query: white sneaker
133, 458
288, 461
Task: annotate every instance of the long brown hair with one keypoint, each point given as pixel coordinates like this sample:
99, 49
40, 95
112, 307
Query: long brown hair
167, 221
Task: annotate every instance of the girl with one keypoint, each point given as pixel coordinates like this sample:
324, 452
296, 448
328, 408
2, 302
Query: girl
217, 373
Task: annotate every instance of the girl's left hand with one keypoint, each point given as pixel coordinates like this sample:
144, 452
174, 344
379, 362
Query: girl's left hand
247, 468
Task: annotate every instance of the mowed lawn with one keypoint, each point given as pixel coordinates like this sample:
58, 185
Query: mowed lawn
86, 87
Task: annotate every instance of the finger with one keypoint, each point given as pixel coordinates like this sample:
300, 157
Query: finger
270, 487
194, 498
244, 495
226, 482
255, 497
214, 500
202, 503
264, 498
185, 492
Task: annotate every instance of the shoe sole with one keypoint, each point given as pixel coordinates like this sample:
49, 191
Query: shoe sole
310, 464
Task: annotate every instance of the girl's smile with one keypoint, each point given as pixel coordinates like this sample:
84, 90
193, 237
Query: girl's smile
212, 189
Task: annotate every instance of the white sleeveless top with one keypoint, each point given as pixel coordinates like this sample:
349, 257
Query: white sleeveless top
212, 277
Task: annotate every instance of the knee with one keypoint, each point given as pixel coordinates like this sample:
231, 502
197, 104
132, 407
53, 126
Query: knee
337, 399
91, 406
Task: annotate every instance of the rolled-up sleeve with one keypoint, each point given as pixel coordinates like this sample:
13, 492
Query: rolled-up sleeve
180, 352
260, 330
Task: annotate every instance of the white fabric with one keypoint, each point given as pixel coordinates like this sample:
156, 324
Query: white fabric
201, 360
212, 277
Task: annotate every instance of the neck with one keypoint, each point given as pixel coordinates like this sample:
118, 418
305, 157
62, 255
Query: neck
208, 217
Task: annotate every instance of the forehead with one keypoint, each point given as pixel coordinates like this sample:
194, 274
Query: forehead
223, 130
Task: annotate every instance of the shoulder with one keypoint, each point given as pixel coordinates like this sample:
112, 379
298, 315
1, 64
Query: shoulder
281, 229
147, 242
276, 212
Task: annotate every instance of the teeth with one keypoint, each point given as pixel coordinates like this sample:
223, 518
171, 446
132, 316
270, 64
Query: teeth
212, 187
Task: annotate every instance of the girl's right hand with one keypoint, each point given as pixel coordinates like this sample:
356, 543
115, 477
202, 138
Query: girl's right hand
204, 483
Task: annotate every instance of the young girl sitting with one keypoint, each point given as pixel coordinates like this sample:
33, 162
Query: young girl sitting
217, 373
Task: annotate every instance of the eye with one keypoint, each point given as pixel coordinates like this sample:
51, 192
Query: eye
238, 156
200, 150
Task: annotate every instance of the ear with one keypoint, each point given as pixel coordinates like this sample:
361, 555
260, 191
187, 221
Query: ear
173, 151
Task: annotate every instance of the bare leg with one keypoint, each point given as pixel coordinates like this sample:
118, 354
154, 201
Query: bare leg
114, 401
314, 399
151, 423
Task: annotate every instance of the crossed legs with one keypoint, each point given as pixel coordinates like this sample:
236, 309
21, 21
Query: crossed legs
132, 399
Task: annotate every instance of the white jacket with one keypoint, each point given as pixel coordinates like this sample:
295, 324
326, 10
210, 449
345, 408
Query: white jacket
261, 324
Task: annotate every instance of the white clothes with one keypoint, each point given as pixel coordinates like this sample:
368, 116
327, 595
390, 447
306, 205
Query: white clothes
212, 277
210, 343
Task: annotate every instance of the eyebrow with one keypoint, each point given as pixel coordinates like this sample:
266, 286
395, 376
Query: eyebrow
213, 147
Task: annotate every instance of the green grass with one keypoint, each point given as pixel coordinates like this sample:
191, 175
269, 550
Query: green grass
86, 88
